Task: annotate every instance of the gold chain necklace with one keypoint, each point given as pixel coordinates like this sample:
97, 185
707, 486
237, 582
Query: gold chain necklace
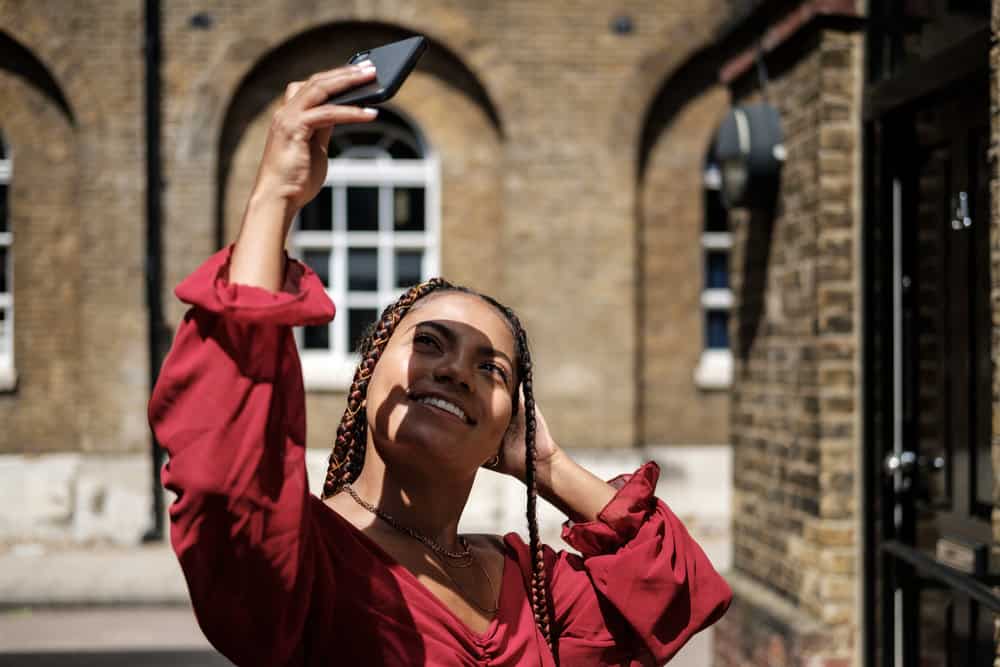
463, 558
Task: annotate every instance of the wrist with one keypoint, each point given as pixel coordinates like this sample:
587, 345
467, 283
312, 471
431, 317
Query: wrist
548, 470
271, 206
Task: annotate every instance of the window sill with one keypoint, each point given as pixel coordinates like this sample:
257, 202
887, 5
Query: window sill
715, 370
327, 373
8, 379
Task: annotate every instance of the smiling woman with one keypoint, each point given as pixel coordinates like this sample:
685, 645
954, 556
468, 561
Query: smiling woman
376, 572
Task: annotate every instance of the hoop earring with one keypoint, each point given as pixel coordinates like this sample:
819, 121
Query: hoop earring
493, 462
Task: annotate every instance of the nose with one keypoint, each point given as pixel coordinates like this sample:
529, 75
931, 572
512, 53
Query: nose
453, 368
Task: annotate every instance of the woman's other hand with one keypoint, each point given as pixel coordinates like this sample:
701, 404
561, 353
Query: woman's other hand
512, 452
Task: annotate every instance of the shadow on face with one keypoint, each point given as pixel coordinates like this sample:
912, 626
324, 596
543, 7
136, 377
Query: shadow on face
441, 395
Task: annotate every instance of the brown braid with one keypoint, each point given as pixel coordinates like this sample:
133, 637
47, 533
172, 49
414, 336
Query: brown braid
347, 457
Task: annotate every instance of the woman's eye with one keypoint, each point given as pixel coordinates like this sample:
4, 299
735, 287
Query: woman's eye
497, 370
425, 339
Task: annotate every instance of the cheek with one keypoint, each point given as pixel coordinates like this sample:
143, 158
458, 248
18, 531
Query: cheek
385, 401
502, 411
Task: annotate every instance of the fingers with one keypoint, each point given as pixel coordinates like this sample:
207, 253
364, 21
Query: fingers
319, 87
333, 114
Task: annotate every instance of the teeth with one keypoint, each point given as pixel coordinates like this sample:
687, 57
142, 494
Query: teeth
444, 405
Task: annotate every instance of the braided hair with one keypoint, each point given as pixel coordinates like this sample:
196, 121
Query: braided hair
347, 457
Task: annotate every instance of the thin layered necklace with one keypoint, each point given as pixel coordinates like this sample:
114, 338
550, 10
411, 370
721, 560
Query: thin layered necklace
463, 558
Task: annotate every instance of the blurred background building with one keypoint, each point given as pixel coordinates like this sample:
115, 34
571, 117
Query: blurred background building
811, 367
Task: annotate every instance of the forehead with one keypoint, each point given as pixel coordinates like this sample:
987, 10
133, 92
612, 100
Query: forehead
458, 308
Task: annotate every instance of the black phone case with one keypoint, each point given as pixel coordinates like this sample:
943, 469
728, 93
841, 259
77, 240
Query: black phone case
393, 63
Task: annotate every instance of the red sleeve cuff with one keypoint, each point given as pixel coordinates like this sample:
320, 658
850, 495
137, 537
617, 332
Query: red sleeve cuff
301, 301
621, 518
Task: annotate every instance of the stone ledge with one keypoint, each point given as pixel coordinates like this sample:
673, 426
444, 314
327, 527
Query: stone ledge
32, 576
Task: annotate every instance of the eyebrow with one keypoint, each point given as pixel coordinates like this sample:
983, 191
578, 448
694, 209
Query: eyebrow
450, 335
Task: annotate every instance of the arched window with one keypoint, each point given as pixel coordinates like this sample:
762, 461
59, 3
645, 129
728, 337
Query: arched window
715, 368
372, 231
6, 270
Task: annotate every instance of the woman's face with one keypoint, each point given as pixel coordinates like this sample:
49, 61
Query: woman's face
441, 394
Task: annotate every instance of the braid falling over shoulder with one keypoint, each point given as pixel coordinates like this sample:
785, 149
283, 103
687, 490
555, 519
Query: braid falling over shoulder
347, 457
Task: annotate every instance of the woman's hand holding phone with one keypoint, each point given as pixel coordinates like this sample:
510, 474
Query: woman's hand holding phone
292, 169
294, 163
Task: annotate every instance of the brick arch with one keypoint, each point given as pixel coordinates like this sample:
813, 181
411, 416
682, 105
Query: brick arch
222, 79
53, 65
43, 198
295, 60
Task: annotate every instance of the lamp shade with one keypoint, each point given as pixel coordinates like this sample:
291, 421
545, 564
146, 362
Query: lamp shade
750, 153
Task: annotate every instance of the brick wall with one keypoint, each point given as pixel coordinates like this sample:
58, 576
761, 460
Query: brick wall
536, 109
794, 417
674, 408
76, 207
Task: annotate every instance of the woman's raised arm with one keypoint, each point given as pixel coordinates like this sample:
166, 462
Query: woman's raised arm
292, 170
229, 404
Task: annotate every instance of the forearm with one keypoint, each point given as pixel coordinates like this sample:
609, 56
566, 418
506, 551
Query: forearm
259, 253
573, 489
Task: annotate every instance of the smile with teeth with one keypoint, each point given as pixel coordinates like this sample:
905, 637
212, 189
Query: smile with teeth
444, 405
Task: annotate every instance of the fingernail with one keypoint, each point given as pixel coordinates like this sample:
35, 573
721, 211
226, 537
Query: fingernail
368, 111
364, 64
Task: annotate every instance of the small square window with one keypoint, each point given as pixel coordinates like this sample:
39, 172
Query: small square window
358, 321
716, 270
317, 215
362, 209
717, 329
4, 225
319, 261
408, 209
316, 338
716, 216
409, 267
362, 269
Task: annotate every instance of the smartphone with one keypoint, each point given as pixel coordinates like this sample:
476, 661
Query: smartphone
393, 63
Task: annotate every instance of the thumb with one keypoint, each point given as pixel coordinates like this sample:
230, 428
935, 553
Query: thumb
321, 139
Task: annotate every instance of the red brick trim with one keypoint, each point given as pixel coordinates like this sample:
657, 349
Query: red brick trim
783, 29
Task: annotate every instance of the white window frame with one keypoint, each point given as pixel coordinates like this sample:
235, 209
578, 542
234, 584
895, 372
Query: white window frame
333, 370
715, 365
8, 374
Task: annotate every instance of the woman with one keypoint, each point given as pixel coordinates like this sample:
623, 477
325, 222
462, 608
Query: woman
376, 572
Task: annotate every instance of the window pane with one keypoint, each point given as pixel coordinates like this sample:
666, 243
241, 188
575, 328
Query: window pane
716, 217
3, 209
717, 329
318, 261
316, 338
409, 267
364, 138
362, 269
362, 209
317, 215
4, 252
716, 269
401, 150
358, 320
408, 205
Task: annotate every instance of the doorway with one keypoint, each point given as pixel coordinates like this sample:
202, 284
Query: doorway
928, 402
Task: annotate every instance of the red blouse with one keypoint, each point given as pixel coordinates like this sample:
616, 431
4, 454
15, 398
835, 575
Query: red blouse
279, 578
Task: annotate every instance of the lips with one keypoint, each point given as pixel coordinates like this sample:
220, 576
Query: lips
444, 404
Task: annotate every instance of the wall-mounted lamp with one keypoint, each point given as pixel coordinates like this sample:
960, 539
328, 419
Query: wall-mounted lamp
750, 152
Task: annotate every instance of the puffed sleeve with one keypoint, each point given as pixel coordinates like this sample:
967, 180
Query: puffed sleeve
229, 409
641, 586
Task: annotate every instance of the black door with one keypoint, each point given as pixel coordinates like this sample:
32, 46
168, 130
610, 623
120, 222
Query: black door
928, 368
